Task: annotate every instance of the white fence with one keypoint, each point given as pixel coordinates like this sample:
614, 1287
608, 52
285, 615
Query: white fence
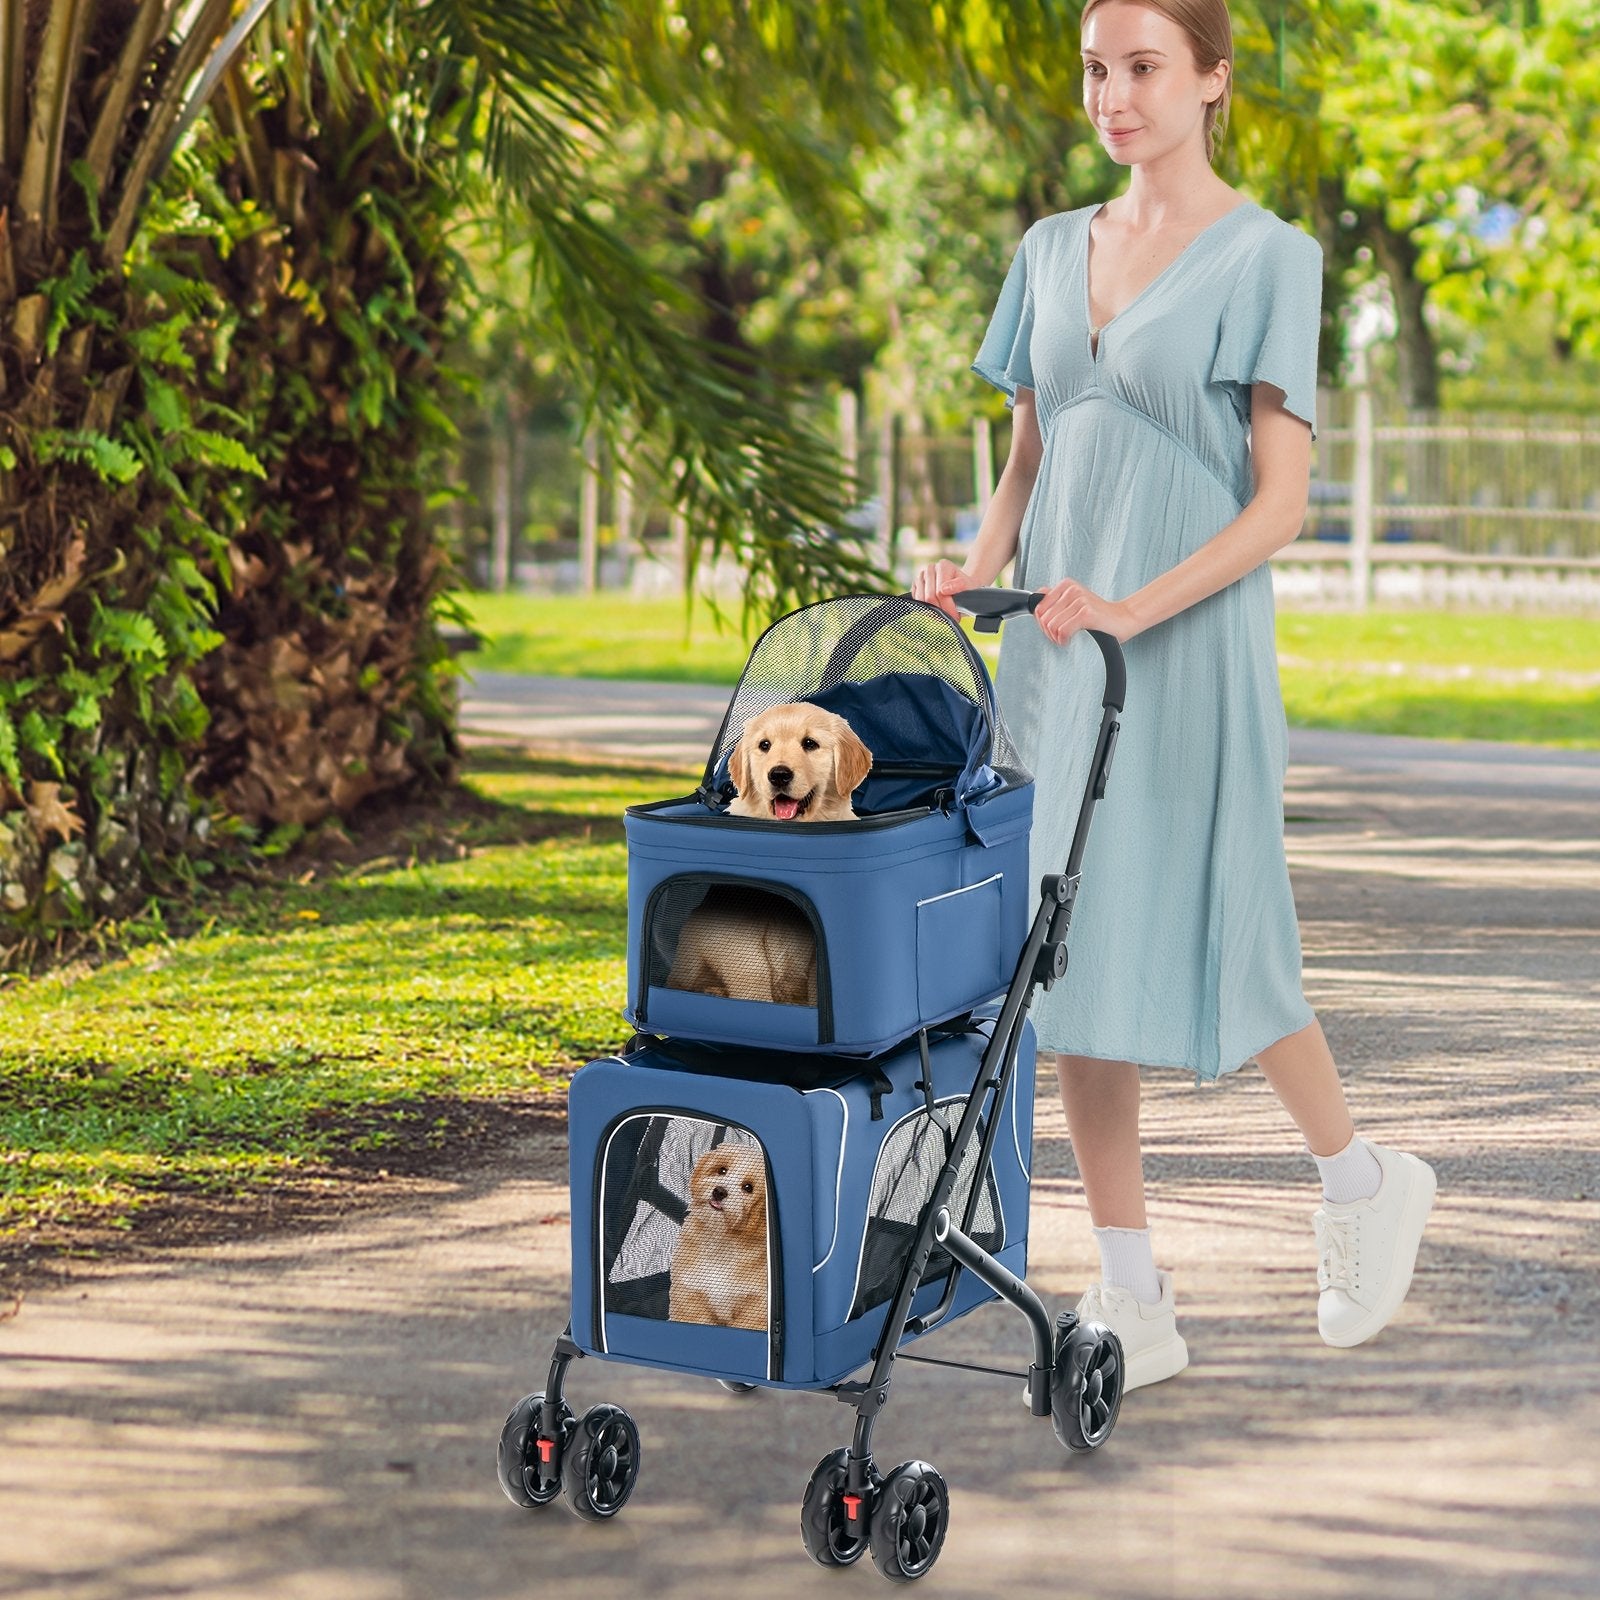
1430, 511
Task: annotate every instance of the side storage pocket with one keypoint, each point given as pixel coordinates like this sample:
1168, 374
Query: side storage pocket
959, 955
689, 1271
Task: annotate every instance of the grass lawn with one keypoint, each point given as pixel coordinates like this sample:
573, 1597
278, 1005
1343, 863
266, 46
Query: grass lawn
367, 1006
1442, 675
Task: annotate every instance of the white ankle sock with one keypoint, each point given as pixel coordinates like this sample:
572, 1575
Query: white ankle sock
1353, 1174
1126, 1262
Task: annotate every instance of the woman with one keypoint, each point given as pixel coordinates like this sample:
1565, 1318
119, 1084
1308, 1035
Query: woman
1159, 352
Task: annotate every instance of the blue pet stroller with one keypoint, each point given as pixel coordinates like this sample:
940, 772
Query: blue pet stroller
784, 1192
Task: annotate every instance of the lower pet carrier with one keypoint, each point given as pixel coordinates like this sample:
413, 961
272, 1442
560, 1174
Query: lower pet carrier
793, 1205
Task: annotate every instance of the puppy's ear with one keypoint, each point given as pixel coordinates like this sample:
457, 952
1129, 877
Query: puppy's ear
852, 761
739, 766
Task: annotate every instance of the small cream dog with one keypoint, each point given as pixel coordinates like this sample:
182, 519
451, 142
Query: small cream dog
719, 1267
794, 763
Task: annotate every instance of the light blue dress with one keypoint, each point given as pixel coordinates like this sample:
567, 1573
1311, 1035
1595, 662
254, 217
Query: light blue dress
1185, 948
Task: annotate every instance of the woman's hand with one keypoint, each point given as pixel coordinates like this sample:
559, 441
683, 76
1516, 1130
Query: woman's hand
937, 582
1069, 608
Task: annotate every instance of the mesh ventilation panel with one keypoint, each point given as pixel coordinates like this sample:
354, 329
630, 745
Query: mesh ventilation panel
902, 1185
732, 940
854, 639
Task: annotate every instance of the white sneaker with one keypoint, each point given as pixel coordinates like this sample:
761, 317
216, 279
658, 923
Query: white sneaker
1368, 1247
1151, 1344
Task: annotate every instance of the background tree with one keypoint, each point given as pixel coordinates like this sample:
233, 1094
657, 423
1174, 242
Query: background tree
1457, 172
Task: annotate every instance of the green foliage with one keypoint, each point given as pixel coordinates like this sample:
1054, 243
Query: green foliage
70, 298
111, 461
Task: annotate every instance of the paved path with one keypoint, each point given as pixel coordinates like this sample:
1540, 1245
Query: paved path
676, 723
314, 1415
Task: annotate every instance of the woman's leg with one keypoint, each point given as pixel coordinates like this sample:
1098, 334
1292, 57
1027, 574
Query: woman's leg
1375, 1200
1302, 1074
1101, 1100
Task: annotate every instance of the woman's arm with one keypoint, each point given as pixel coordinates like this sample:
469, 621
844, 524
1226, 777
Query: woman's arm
998, 533
1280, 457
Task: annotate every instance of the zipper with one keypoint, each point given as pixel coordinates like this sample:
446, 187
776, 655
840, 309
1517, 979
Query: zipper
720, 819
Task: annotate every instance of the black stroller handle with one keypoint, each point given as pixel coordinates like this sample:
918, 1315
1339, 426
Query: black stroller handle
990, 607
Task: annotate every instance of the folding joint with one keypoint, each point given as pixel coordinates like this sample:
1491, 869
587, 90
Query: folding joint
1050, 963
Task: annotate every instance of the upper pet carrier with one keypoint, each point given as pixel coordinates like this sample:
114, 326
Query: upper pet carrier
916, 908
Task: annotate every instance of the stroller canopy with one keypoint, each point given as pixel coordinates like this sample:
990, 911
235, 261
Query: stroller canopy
906, 679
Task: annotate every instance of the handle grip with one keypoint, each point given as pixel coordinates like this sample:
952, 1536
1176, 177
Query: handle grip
990, 607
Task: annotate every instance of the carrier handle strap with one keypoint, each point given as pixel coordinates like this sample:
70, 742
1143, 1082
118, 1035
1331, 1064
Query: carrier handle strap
935, 1115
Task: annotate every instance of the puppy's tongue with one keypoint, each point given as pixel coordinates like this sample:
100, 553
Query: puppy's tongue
785, 809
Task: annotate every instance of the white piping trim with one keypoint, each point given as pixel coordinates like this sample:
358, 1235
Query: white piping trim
838, 1177
933, 899
1016, 1136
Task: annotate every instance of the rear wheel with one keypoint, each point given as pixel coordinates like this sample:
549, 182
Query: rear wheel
1087, 1385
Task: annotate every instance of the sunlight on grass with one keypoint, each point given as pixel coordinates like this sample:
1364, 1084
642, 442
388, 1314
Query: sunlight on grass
1335, 672
305, 1011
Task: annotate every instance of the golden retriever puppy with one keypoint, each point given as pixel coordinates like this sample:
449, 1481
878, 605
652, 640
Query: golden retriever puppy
719, 1267
744, 944
797, 763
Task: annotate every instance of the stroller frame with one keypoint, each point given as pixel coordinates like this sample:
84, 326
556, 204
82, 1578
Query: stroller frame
1075, 1375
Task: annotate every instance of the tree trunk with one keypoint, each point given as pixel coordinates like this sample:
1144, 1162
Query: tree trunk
331, 685
1417, 353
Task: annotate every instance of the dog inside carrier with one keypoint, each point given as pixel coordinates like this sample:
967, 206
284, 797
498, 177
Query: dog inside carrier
816, 1146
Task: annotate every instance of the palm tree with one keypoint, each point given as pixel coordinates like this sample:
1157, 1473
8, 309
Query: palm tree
112, 557
93, 646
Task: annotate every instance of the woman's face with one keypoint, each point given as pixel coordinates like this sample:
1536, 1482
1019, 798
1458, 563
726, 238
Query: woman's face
1141, 88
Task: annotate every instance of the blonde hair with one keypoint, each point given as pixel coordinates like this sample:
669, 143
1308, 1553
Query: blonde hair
1210, 31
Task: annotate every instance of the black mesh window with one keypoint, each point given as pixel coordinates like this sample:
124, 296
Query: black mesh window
685, 1223
902, 1184
733, 940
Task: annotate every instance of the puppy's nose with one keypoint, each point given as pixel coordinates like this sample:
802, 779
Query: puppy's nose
780, 777
719, 1194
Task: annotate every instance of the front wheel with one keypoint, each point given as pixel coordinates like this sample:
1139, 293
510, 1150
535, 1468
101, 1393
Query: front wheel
601, 1465
518, 1457
909, 1521
833, 1537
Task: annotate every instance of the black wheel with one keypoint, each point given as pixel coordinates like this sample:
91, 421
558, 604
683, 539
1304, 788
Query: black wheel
1086, 1387
909, 1521
734, 1386
831, 1536
518, 1458
601, 1464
